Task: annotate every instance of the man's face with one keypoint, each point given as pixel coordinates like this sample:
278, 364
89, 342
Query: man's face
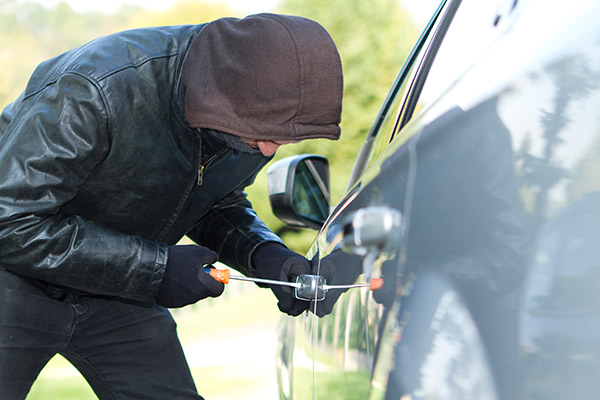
267, 147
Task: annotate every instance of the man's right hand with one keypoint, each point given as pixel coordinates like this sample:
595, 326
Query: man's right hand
185, 281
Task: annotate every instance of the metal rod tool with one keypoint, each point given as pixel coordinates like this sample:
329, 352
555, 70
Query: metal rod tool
308, 287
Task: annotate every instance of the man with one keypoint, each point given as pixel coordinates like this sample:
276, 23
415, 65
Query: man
114, 152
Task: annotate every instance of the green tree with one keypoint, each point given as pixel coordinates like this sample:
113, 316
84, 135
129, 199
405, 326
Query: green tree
371, 38
31, 33
183, 12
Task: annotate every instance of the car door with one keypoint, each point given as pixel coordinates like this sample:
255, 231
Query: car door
490, 174
299, 367
343, 340
337, 351
331, 356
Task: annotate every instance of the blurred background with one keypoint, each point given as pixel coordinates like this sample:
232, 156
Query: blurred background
229, 341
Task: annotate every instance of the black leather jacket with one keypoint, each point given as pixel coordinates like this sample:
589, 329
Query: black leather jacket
100, 171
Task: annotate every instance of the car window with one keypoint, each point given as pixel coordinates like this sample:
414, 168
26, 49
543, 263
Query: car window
387, 122
472, 30
460, 47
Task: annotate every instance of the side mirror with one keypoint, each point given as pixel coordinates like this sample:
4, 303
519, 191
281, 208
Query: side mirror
299, 190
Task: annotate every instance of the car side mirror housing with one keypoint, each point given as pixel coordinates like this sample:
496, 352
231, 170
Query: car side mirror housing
299, 190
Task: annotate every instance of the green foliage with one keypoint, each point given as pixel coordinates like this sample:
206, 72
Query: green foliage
31, 33
347, 385
369, 36
183, 12
60, 380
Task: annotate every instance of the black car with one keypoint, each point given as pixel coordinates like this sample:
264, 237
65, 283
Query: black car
476, 199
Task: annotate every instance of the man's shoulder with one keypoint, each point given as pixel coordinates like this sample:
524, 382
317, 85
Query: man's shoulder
133, 48
110, 54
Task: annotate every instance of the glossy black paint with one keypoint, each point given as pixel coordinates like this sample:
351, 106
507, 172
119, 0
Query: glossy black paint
492, 292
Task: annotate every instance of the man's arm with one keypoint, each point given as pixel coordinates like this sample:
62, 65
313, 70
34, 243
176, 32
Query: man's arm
234, 230
53, 140
245, 243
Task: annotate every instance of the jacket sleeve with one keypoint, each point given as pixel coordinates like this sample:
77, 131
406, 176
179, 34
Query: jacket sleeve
49, 143
234, 230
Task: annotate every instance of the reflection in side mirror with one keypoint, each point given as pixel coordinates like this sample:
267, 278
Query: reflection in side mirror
299, 190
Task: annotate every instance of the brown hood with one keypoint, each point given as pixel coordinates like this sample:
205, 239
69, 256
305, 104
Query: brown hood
266, 76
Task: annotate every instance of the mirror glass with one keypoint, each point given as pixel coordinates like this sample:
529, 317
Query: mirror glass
308, 199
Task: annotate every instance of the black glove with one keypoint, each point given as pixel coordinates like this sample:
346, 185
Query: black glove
274, 261
387, 293
185, 281
349, 267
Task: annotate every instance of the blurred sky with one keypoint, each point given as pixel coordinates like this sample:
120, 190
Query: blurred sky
422, 8
110, 6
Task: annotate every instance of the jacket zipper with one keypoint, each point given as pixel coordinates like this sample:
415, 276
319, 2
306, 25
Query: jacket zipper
202, 167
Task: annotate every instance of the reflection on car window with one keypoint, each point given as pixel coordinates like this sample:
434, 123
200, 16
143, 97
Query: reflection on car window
460, 47
389, 125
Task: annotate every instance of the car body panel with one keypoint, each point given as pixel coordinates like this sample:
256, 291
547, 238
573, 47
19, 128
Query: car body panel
495, 176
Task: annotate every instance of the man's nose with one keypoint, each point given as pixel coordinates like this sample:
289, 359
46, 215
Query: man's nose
266, 147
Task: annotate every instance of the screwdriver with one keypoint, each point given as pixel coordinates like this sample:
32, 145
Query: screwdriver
224, 275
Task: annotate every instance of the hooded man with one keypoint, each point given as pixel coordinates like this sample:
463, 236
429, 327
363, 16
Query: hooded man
115, 151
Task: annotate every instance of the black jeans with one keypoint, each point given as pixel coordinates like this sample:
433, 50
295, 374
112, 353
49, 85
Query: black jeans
125, 350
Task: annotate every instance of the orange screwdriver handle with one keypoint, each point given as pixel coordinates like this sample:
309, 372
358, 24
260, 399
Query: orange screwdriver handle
221, 275
376, 283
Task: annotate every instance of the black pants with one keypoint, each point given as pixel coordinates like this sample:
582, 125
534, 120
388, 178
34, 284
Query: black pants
125, 350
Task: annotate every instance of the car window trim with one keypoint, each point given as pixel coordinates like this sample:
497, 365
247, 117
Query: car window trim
414, 92
365, 151
404, 71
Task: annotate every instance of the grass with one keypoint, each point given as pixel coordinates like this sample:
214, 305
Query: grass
59, 380
229, 343
332, 385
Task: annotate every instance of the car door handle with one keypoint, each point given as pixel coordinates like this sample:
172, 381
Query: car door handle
370, 231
